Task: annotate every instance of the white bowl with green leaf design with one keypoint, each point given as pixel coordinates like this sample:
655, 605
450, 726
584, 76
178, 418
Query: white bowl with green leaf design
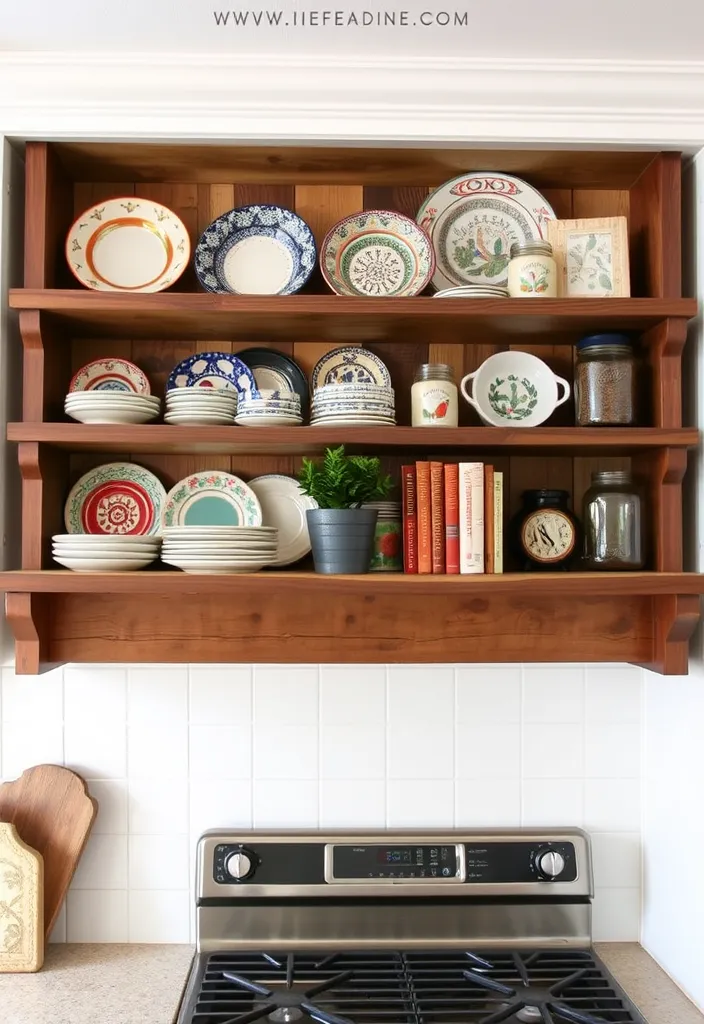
514, 389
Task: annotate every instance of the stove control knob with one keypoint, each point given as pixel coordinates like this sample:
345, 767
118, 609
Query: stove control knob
240, 865
550, 863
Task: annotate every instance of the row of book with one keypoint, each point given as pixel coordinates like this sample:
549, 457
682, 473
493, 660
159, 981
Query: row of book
452, 518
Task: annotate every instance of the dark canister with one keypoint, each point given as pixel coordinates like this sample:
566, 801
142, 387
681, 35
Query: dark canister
545, 534
613, 523
605, 386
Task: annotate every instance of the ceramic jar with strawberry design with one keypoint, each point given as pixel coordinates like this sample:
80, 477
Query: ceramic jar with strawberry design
434, 397
532, 272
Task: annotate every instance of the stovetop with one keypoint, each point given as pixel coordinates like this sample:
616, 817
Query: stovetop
410, 987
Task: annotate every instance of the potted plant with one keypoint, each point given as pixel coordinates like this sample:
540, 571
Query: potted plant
341, 530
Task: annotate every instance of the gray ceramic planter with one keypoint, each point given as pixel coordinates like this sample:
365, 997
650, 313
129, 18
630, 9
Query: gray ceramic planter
342, 539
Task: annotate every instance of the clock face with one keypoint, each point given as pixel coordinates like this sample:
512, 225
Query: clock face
548, 536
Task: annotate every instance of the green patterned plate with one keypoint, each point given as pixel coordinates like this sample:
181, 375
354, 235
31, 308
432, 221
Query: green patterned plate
377, 253
211, 498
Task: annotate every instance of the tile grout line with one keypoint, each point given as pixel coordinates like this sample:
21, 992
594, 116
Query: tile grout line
386, 743
128, 693
455, 746
252, 741
521, 746
320, 744
584, 747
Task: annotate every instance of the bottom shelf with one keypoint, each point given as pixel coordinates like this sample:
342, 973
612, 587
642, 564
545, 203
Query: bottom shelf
288, 617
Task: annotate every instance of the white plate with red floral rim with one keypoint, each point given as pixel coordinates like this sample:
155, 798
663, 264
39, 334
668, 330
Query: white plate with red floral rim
110, 375
128, 244
211, 498
474, 219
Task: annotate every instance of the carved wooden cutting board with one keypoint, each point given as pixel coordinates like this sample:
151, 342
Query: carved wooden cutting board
21, 904
53, 813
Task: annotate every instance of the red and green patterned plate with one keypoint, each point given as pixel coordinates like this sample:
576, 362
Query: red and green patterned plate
117, 498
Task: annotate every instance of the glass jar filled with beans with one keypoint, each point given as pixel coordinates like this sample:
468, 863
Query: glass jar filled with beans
605, 388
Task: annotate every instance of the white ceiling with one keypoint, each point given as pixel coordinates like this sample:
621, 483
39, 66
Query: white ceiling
616, 29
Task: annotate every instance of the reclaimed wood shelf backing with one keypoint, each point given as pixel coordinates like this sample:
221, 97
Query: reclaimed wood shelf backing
290, 616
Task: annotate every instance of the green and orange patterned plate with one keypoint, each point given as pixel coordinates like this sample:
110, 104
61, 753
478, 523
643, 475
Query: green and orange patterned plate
377, 253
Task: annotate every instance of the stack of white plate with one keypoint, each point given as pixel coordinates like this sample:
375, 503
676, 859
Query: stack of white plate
353, 405
201, 406
111, 407
219, 549
390, 510
104, 552
270, 408
473, 291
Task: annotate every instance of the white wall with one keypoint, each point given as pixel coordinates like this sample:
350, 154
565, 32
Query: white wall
171, 750
673, 898
189, 26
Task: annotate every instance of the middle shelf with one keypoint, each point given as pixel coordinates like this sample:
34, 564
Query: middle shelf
163, 438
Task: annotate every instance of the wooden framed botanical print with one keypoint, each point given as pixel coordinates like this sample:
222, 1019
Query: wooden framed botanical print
591, 256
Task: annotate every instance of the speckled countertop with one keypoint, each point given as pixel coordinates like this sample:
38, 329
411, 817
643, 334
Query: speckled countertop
101, 984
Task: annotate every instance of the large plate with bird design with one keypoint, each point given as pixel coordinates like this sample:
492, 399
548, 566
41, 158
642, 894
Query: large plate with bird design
474, 219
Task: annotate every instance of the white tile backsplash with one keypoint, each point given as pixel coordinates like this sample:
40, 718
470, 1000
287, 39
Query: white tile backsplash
220, 696
26, 742
488, 750
552, 802
552, 751
420, 803
170, 751
352, 804
488, 803
287, 803
553, 693
158, 807
489, 693
219, 752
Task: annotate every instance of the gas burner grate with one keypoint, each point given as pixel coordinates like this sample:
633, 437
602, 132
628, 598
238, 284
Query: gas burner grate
548, 986
435, 987
348, 988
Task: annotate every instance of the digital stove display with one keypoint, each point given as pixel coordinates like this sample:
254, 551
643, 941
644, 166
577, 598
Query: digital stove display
404, 856
392, 862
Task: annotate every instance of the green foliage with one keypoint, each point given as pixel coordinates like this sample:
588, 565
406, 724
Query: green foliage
344, 481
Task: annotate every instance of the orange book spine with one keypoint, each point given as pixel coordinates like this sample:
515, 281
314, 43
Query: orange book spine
452, 519
425, 550
437, 518
489, 519
410, 521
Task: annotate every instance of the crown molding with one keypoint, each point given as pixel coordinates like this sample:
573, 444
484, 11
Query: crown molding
285, 97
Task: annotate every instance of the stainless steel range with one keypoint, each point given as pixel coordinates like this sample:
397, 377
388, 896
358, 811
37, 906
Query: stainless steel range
398, 928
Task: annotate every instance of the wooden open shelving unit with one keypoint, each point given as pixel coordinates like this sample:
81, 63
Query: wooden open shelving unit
294, 615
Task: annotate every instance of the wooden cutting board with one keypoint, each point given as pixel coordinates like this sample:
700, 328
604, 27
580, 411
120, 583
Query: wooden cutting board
53, 813
21, 904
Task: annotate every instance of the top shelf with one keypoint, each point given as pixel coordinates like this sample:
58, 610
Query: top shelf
202, 316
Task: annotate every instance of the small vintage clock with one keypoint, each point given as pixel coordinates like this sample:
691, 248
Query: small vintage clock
545, 534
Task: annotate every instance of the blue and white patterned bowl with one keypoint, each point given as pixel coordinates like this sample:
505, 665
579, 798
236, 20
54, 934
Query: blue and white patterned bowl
256, 250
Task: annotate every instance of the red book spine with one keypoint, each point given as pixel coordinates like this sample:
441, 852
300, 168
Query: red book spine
452, 519
410, 522
425, 558
437, 518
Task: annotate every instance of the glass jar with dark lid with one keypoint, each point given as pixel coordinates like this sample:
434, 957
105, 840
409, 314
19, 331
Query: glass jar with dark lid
613, 522
605, 387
